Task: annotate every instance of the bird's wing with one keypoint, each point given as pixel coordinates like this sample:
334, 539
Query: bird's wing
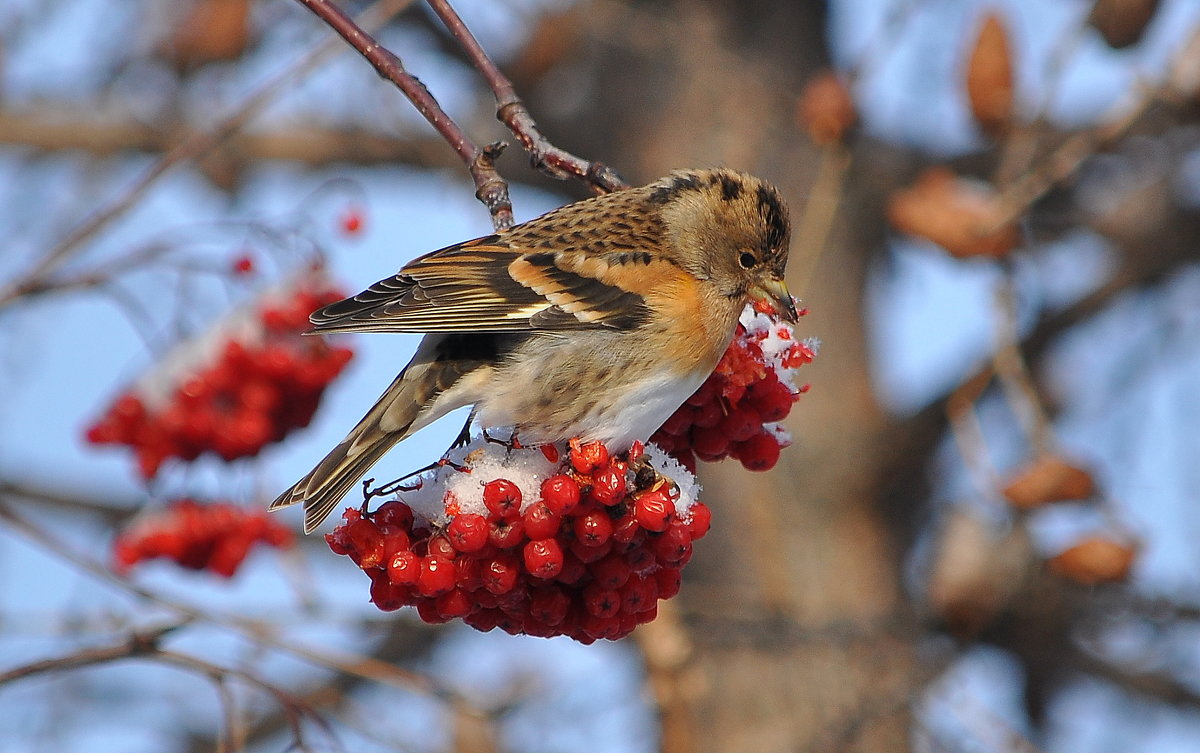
488, 285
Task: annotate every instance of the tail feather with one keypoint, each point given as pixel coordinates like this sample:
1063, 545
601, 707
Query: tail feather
327, 484
428, 388
390, 420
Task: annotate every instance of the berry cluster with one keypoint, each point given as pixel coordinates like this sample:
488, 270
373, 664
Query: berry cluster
215, 537
249, 382
737, 409
515, 540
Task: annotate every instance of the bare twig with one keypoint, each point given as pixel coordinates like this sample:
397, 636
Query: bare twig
194, 146
139, 643
1013, 373
364, 667
490, 188
512, 112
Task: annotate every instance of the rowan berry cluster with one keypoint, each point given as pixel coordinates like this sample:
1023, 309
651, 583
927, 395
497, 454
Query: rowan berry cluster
213, 536
516, 540
249, 382
735, 413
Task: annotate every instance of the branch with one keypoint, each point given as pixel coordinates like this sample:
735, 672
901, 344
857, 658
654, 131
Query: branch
89, 129
139, 643
1149, 684
513, 113
490, 188
365, 667
191, 148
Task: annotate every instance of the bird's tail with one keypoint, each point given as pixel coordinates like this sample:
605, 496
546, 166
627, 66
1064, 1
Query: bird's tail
390, 420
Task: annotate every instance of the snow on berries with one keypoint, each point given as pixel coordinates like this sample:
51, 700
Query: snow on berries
249, 381
214, 537
736, 412
517, 540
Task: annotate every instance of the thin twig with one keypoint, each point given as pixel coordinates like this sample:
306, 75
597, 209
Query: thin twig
490, 188
824, 201
1013, 373
364, 667
139, 643
191, 148
512, 112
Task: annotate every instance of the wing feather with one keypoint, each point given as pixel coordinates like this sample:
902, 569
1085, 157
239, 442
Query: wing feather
487, 285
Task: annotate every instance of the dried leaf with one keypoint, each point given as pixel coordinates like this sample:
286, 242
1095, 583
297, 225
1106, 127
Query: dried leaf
1047, 479
990, 76
826, 109
977, 571
960, 216
1095, 559
1122, 22
211, 31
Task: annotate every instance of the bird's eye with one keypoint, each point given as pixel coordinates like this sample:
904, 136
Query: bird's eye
747, 260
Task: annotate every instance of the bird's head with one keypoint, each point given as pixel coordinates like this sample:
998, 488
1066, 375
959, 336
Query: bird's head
729, 228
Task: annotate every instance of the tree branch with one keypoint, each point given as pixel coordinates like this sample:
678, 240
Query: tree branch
194, 146
490, 188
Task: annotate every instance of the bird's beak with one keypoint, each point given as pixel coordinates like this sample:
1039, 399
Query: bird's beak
774, 291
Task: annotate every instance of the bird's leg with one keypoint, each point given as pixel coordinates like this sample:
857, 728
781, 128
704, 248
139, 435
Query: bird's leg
510, 444
464, 435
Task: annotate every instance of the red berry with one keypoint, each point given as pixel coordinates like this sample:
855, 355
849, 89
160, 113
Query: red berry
440, 546
674, 547
560, 493
502, 498
586, 458
612, 571
699, 520
453, 604
428, 612
500, 573
243, 265
710, 442
641, 560
386, 596
549, 604
588, 554
437, 575
679, 422
573, 570
395, 513
639, 594
707, 393
601, 601
540, 521
351, 220
593, 529
759, 453
626, 528
504, 533
403, 568
608, 486
739, 425
543, 558
654, 509
395, 540
707, 415
668, 580
469, 572
468, 532
366, 543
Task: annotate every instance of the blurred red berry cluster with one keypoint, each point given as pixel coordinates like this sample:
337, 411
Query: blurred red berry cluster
736, 411
249, 382
213, 536
589, 557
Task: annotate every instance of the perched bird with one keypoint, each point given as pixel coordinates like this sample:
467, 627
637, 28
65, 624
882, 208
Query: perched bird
596, 320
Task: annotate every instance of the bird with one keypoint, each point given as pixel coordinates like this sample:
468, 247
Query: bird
594, 321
